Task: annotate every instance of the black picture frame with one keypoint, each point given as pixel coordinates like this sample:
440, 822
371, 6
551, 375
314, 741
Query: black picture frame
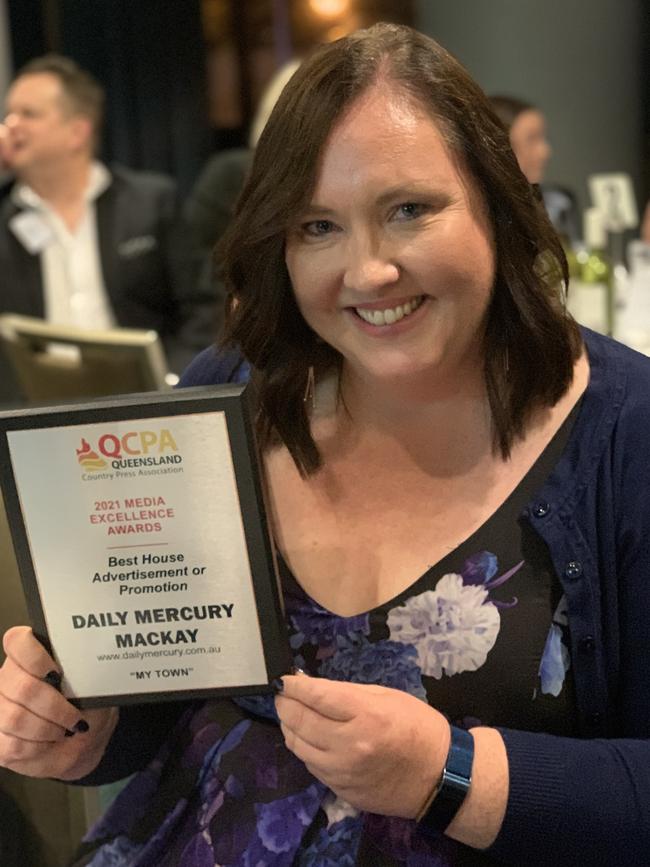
232, 401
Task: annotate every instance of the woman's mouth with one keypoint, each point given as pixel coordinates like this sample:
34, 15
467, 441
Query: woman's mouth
389, 315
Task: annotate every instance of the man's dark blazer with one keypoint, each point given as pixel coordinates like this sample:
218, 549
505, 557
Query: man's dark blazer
142, 260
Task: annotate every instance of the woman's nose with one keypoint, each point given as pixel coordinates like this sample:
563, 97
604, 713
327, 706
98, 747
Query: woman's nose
368, 267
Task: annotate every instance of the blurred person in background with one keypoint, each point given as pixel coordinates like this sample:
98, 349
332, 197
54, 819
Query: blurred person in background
526, 127
80, 243
459, 499
208, 209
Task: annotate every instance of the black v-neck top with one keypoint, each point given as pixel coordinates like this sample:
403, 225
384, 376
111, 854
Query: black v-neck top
481, 636
500, 654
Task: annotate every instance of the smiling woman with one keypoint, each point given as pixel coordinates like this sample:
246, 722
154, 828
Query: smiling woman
399, 276
439, 193
457, 491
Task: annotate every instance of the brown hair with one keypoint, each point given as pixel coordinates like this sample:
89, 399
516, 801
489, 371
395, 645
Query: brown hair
82, 92
530, 342
508, 108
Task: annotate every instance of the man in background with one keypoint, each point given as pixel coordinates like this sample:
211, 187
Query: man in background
82, 244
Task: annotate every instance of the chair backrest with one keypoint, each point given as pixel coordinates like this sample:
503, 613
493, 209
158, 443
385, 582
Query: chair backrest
57, 362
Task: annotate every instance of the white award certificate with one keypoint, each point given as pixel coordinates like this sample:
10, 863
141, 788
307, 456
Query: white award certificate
141, 537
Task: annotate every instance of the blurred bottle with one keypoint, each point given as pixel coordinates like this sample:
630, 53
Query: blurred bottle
632, 324
590, 298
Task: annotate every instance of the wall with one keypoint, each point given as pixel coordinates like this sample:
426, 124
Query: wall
581, 61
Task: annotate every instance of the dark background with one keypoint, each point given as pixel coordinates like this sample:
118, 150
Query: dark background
183, 76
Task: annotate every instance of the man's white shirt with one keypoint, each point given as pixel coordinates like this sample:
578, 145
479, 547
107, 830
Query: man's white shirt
73, 284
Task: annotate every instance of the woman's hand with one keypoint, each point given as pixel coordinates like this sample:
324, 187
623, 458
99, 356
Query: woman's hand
41, 733
380, 749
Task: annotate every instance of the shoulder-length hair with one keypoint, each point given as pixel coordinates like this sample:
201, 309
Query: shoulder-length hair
530, 343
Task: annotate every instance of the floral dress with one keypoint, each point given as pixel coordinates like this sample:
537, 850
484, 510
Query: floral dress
482, 636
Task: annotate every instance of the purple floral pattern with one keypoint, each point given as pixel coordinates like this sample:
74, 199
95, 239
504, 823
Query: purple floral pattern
225, 791
555, 659
118, 853
388, 663
455, 626
315, 625
335, 846
451, 627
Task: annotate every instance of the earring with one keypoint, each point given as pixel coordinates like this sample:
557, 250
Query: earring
310, 388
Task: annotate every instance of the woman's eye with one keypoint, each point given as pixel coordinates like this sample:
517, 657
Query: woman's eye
409, 211
318, 228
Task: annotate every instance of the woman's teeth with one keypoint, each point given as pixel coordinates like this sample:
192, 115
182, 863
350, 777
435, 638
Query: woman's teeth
391, 314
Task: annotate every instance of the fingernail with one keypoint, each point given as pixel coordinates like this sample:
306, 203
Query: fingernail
82, 726
297, 670
278, 685
53, 678
69, 734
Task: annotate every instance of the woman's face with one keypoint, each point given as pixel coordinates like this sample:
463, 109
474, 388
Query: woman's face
392, 263
528, 141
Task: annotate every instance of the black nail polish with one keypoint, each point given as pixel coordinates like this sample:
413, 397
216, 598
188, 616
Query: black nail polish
53, 678
69, 734
278, 685
82, 726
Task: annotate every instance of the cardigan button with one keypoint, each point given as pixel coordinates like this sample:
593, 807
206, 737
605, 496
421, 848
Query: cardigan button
540, 510
595, 719
573, 569
587, 644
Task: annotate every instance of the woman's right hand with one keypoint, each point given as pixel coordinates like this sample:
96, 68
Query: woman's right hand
41, 733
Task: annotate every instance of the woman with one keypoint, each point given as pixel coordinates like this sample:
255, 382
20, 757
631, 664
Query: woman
208, 208
526, 126
456, 487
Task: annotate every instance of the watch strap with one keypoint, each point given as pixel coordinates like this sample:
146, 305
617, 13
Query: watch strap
452, 787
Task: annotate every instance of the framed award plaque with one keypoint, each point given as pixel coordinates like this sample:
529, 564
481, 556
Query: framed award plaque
143, 545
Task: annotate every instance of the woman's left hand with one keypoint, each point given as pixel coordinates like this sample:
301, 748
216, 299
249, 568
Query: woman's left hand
380, 749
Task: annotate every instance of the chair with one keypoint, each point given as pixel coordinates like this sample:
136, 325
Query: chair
59, 362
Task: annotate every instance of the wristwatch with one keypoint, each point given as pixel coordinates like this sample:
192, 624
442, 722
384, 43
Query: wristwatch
451, 790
